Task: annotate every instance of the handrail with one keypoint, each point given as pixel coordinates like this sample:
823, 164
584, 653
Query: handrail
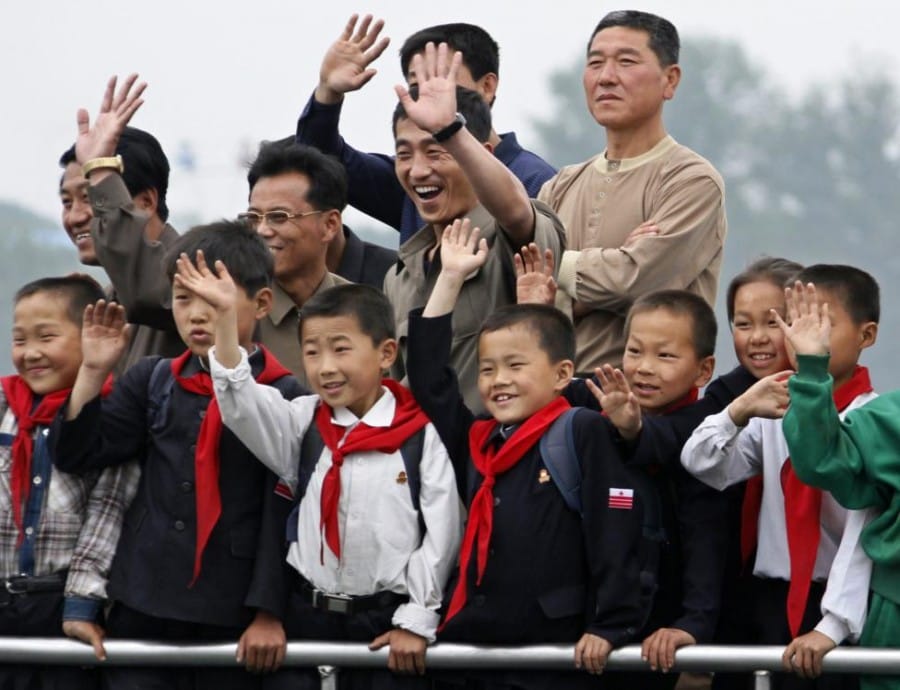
62, 651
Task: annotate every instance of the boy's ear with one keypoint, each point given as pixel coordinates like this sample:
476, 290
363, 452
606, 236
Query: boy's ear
705, 372
387, 351
263, 299
868, 334
565, 370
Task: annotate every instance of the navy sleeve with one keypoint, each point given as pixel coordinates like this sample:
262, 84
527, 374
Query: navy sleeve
434, 384
613, 534
373, 187
106, 433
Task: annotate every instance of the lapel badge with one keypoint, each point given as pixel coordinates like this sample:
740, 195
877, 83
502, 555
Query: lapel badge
543, 476
401, 478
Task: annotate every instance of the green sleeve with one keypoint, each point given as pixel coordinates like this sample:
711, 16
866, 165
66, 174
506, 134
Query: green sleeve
826, 452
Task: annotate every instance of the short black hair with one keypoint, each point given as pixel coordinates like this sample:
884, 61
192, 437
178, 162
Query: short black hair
240, 248
468, 102
327, 177
481, 54
857, 290
663, 35
766, 269
368, 305
681, 303
79, 290
555, 332
146, 165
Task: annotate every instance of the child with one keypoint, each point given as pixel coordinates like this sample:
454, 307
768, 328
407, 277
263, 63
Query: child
746, 440
59, 531
855, 459
189, 565
370, 562
532, 569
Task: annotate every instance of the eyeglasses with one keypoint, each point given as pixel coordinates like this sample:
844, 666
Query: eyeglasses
273, 218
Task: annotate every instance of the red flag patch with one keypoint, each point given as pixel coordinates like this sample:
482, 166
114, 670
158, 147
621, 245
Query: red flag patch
621, 499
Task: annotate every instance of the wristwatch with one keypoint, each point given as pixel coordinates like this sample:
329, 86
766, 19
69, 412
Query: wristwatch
443, 134
110, 162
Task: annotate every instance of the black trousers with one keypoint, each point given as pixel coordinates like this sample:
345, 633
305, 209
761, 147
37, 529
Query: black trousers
39, 615
127, 623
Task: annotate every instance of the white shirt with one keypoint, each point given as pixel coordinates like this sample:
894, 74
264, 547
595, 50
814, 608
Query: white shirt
382, 548
720, 453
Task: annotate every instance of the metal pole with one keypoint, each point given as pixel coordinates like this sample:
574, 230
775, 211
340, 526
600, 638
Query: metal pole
762, 680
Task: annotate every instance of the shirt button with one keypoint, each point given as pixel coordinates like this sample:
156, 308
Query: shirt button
187, 487
37, 480
496, 500
202, 414
46, 432
29, 530
609, 179
602, 195
179, 526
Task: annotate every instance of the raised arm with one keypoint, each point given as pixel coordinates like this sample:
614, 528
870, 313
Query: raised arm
498, 190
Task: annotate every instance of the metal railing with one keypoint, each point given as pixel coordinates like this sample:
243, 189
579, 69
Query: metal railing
698, 658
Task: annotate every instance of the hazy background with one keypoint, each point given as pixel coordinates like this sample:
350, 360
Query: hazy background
778, 94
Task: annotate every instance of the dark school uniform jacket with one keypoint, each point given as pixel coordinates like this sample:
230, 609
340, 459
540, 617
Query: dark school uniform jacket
154, 561
551, 575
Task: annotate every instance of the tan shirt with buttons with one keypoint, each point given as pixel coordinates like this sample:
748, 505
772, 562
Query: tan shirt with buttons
600, 202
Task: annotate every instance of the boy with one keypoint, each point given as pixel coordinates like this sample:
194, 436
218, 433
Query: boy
532, 570
58, 531
808, 548
370, 562
188, 566
854, 459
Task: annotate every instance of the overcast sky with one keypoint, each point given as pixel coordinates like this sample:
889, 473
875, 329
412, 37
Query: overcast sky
225, 73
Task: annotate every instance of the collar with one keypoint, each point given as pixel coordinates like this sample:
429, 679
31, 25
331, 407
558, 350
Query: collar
508, 148
283, 305
381, 414
424, 239
603, 165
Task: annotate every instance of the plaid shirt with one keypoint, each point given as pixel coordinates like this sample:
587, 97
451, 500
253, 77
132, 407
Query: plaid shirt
70, 521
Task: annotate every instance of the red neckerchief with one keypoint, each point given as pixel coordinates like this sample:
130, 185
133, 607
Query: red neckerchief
20, 399
408, 419
802, 507
206, 456
490, 462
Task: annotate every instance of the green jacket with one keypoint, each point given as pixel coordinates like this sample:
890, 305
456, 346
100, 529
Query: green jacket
857, 460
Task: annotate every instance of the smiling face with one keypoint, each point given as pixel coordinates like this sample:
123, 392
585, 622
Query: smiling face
298, 245
515, 375
624, 83
46, 349
342, 363
660, 361
758, 340
77, 213
431, 176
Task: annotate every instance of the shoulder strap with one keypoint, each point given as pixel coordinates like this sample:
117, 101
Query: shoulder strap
557, 447
311, 449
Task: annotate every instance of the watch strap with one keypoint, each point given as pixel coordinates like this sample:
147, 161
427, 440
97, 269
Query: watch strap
110, 162
443, 134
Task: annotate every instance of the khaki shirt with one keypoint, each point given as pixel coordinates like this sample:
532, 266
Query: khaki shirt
601, 201
408, 286
279, 331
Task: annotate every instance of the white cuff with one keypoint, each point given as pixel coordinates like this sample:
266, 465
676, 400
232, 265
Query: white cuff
417, 619
833, 627
567, 273
224, 378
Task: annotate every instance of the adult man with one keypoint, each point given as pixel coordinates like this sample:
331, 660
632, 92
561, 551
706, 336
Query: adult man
647, 213
445, 165
113, 193
374, 189
295, 204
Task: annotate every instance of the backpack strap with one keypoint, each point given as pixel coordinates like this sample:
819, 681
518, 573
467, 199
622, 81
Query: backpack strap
557, 448
311, 450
